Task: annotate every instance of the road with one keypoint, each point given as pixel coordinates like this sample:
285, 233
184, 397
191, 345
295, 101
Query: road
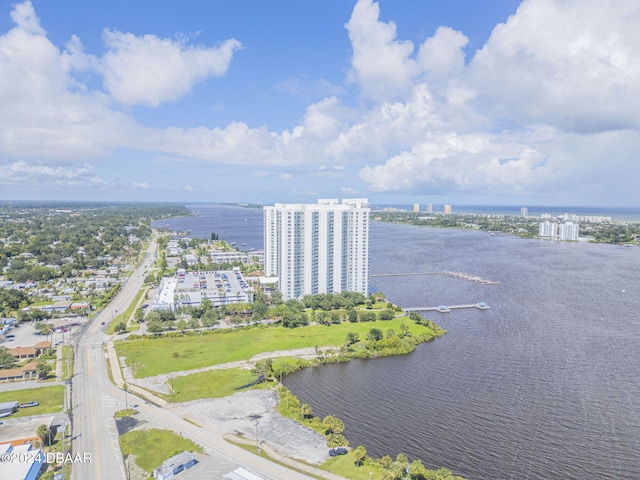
95, 399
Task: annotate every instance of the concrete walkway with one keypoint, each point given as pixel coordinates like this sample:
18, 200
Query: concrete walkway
116, 373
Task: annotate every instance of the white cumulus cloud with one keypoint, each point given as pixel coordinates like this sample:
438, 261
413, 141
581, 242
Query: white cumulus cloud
149, 70
381, 64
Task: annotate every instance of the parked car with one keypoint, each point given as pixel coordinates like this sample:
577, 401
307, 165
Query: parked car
334, 452
29, 404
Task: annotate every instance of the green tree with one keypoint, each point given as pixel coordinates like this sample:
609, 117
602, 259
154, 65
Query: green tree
6, 359
386, 315
155, 326
374, 335
307, 411
181, 325
44, 433
417, 470
121, 327
42, 370
359, 454
276, 297
386, 461
333, 424
336, 440
352, 337
404, 330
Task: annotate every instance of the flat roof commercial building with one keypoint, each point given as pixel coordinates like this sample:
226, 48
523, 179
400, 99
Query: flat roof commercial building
190, 288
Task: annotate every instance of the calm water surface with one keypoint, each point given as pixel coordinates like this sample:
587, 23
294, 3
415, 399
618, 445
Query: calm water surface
544, 385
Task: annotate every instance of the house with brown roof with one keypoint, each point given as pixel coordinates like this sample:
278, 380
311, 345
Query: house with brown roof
33, 351
27, 372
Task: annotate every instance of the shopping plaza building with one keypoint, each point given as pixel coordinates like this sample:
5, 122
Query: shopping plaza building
318, 248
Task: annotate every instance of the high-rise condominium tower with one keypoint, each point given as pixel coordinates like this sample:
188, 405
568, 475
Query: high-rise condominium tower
318, 248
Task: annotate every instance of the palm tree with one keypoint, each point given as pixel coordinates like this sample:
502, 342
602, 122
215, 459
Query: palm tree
43, 432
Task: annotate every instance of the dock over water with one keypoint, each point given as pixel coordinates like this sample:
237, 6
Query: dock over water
463, 276
447, 308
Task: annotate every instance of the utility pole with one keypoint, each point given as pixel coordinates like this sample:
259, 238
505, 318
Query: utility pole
255, 419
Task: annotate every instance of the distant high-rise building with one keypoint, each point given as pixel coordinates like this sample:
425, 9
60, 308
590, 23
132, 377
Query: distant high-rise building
429, 208
447, 209
547, 229
524, 212
568, 231
416, 208
318, 248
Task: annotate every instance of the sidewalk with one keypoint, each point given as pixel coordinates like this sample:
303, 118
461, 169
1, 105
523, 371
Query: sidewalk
116, 373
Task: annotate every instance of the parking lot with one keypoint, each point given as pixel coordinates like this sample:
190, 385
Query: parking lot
25, 335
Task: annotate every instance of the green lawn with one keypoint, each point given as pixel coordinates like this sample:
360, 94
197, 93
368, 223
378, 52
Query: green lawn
67, 362
151, 357
345, 466
154, 446
211, 384
51, 400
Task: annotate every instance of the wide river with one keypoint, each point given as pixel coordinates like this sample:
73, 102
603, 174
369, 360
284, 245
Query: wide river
543, 385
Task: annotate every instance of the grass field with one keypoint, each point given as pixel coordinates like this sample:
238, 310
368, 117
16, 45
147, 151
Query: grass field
51, 400
345, 466
154, 446
149, 357
212, 384
67, 362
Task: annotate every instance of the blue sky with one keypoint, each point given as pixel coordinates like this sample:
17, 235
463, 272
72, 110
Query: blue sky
401, 101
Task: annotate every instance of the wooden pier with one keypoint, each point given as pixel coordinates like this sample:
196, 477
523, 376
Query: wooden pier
463, 276
447, 308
